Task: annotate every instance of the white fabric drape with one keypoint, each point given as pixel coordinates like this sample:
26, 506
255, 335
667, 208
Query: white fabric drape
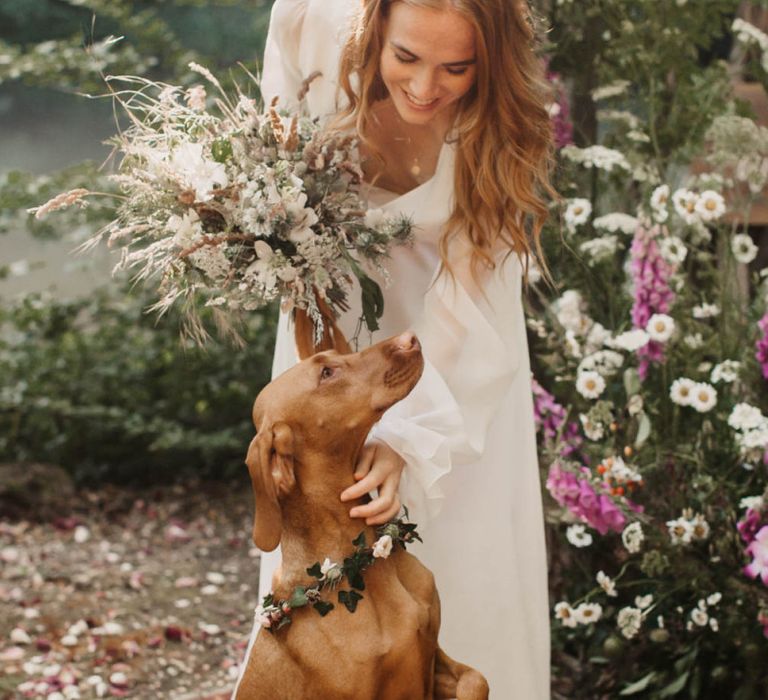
466, 431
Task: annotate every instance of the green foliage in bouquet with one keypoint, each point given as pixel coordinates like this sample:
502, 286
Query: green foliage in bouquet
651, 359
110, 393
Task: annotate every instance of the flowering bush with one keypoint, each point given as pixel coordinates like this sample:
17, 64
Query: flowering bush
650, 359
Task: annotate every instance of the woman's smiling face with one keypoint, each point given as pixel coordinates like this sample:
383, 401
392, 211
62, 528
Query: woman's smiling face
428, 60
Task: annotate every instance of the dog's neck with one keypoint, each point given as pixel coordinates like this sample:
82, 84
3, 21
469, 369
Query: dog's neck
316, 523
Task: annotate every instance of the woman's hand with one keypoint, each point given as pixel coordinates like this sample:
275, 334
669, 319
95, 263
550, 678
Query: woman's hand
378, 466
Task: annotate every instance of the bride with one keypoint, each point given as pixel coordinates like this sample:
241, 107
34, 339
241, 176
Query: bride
448, 100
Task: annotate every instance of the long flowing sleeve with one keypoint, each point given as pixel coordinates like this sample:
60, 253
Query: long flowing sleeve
281, 75
473, 336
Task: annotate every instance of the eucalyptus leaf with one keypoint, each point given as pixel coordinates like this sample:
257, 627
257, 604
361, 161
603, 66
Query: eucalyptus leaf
631, 381
299, 598
643, 430
675, 686
639, 686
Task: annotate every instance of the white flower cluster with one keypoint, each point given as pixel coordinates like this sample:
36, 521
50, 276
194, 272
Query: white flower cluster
705, 310
600, 249
744, 248
614, 89
619, 471
726, 371
701, 616
616, 222
751, 428
632, 537
605, 362
747, 33
598, 157
584, 614
630, 341
607, 584
698, 395
578, 536
688, 528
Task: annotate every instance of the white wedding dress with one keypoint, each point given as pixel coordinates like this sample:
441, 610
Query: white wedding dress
466, 432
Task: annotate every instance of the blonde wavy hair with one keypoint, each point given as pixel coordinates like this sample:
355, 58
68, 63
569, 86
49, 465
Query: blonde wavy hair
503, 130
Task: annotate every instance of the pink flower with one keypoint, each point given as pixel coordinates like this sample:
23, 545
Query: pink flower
758, 549
749, 525
762, 345
650, 277
550, 416
560, 112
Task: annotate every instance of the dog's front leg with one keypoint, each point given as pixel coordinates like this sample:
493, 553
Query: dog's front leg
457, 681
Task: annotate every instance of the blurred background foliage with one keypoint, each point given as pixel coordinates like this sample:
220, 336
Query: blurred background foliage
88, 380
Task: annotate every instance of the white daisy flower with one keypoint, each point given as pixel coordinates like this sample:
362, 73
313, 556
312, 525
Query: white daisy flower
565, 613
644, 601
660, 198
632, 537
607, 584
700, 527
710, 205
673, 250
629, 621
699, 617
681, 391
706, 311
684, 201
660, 327
631, 341
577, 213
703, 397
743, 248
588, 613
593, 431
713, 625
590, 385
578, 536
727, 372
680, 531
745, 417
617, 221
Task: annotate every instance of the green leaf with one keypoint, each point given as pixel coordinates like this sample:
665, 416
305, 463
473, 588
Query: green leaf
299, 598
631, 381
314, 570
639, 686
323, 607
372, 301
350, 599
675, 686
643, 430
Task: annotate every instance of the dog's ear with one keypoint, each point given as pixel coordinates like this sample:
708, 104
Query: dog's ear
271, 466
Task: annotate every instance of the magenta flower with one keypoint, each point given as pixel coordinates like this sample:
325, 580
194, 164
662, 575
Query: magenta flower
762, 345
650, 278
758, 550
749, 525
561, 110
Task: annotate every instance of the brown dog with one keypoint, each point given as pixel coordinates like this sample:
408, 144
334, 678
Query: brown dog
312, 422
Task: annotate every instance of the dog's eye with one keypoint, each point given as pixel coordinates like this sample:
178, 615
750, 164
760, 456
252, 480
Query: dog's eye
327, 373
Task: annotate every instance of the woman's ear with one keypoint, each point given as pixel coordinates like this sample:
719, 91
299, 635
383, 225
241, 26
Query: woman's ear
270, 463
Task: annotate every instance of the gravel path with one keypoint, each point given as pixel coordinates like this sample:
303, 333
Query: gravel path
130, 594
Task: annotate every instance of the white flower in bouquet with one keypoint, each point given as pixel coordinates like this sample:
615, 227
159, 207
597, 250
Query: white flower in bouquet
593, 431
590, 384
681, 391
743, 248
659, 201
201, 174
569, 312
673, 250
700, 527
710, 205
382, 548
727, 372
620, 471
660, 327
598, 157
632, 537
694, 340
629, 620
571, 345
643, 601
614, 89
745, 417
605, 362
747, 33
753, 502
578, 536
566, 614
714, 598
703, 397
753, 443
600, 249
587, 613
699, 617
631, 341
577, 213
607, 584
714, 625
616, 222
684, 201
705, 310
680, 531
597, 336
195, 97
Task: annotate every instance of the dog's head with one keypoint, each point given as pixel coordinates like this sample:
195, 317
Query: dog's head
325, 405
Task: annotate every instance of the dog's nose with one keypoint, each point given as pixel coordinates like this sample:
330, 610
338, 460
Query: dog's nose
407, 342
